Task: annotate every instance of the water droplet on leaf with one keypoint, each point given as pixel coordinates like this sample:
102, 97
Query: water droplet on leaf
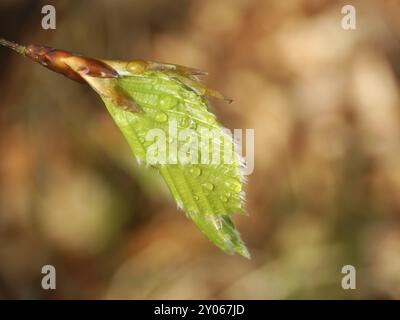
208, 186
195, 171
234, 185
161, 117
167, 102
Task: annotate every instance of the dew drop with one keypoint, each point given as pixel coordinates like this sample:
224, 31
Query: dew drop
167, 102
208, 186
196, 198
161, 117
195, 171
223, 199
234, 185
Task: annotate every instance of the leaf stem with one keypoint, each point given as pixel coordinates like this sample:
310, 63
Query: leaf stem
13, 46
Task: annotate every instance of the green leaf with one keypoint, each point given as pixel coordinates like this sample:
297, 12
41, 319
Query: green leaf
208, 193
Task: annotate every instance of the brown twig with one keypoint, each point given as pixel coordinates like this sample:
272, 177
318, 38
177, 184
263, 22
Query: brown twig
13, 46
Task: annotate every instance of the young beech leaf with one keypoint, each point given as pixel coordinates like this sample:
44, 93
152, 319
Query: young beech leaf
146, 97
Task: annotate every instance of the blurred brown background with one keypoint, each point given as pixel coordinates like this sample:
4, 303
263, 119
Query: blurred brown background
324, 103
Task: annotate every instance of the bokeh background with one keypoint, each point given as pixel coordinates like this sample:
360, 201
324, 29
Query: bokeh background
325, 192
